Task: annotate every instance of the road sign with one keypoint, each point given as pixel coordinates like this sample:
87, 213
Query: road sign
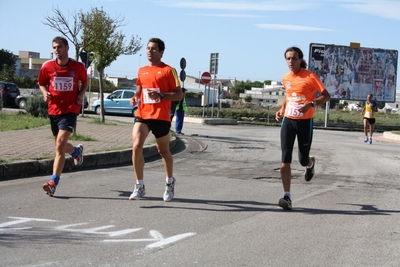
206, 77
214, 63
183, 63
182, 75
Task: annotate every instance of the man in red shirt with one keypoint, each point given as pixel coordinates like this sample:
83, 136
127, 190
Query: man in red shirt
63, 82
157, 85
297, 115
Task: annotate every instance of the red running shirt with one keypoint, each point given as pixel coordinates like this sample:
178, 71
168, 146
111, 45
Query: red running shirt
62, 83
300, 88
162, 78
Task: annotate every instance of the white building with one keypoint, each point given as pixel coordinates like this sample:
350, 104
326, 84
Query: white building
273, 94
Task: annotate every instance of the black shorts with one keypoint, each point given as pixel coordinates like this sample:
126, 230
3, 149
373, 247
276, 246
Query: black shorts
66, 122
370, 120
159, 128
303, 129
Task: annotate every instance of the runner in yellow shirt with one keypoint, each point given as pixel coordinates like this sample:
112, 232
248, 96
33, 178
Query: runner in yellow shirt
369, 113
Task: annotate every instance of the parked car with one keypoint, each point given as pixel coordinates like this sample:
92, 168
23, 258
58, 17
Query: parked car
1, 100
22, 99
118, 102
9, 91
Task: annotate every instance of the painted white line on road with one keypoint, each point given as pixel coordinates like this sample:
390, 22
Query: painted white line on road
170, 240
23, 220
95, 230
157, 238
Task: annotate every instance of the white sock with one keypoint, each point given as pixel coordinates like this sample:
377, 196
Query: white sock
312, 164
287, 193
168, 180
139, 182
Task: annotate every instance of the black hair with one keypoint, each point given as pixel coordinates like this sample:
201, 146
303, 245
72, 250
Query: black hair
303, 63
62, 39
161, 44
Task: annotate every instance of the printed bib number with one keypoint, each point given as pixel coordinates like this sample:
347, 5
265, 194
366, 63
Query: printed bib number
63, 84
292, 110
147, 99
368, 114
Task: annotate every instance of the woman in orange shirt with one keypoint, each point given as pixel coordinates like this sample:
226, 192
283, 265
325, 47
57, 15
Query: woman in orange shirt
297, 115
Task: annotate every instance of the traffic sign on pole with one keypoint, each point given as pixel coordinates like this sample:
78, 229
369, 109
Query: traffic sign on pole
206, 77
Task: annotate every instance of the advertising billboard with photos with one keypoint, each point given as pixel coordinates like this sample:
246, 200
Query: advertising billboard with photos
353, 73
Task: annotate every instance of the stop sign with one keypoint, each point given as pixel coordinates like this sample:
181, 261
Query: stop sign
206, 77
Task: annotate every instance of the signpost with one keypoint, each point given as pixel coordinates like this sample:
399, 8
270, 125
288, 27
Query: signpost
206, 79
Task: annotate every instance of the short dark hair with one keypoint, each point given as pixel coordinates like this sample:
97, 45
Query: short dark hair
303, 63
62, 39
161, 44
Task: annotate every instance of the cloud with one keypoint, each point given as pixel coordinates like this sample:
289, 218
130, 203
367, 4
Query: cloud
230, 15
389, 9
242, 5
289, 27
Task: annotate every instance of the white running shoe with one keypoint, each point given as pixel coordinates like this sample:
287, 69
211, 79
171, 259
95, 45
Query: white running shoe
138, 192
169, 191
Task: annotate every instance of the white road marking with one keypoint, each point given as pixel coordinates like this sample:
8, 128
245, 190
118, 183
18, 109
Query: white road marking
157, 239
95, 230
156, 236
23, 220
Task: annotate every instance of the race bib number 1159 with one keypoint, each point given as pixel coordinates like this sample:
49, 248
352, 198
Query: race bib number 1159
292, 110
63, 84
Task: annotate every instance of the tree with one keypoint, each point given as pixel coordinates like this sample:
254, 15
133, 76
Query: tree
101, 37
61, 24
7, 65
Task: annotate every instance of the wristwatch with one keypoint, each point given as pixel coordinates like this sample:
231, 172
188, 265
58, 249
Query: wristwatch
313, 103
162, 95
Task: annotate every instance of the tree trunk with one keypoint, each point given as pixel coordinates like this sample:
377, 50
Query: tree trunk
102, 118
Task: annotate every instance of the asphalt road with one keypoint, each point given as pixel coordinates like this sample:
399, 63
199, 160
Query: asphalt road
224, 212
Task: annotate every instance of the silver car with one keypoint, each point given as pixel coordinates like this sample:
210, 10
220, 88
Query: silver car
118, 102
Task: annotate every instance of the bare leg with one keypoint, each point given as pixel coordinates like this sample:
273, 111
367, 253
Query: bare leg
163, 149
62, 147
139, 135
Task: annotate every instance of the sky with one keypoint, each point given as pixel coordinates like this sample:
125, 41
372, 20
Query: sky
250, 37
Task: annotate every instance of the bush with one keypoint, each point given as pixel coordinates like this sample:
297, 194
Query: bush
37, 107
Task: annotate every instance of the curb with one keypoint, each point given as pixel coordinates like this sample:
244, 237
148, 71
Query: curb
23, 169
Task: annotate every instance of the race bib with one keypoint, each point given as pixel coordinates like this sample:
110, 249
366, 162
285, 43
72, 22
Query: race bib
146, 98
368, 114
292, 110
63, 84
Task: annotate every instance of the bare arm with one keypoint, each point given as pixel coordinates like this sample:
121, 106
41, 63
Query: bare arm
45, 92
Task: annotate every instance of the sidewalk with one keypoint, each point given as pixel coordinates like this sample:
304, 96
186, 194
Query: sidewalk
31, 151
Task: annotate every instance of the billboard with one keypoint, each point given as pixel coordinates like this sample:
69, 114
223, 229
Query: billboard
352, 73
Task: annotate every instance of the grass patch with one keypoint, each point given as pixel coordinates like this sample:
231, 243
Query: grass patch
20, 121
114, 149
98, 121
396, 132
81, 137
4, 160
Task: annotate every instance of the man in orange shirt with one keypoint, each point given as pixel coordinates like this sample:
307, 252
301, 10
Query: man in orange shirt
297, 115
157, 85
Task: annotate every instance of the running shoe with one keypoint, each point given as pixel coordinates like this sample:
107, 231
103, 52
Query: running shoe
169, 190
285, 203
370, 140
309, 172
79, 159
138, 192
366, 140
50, 188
